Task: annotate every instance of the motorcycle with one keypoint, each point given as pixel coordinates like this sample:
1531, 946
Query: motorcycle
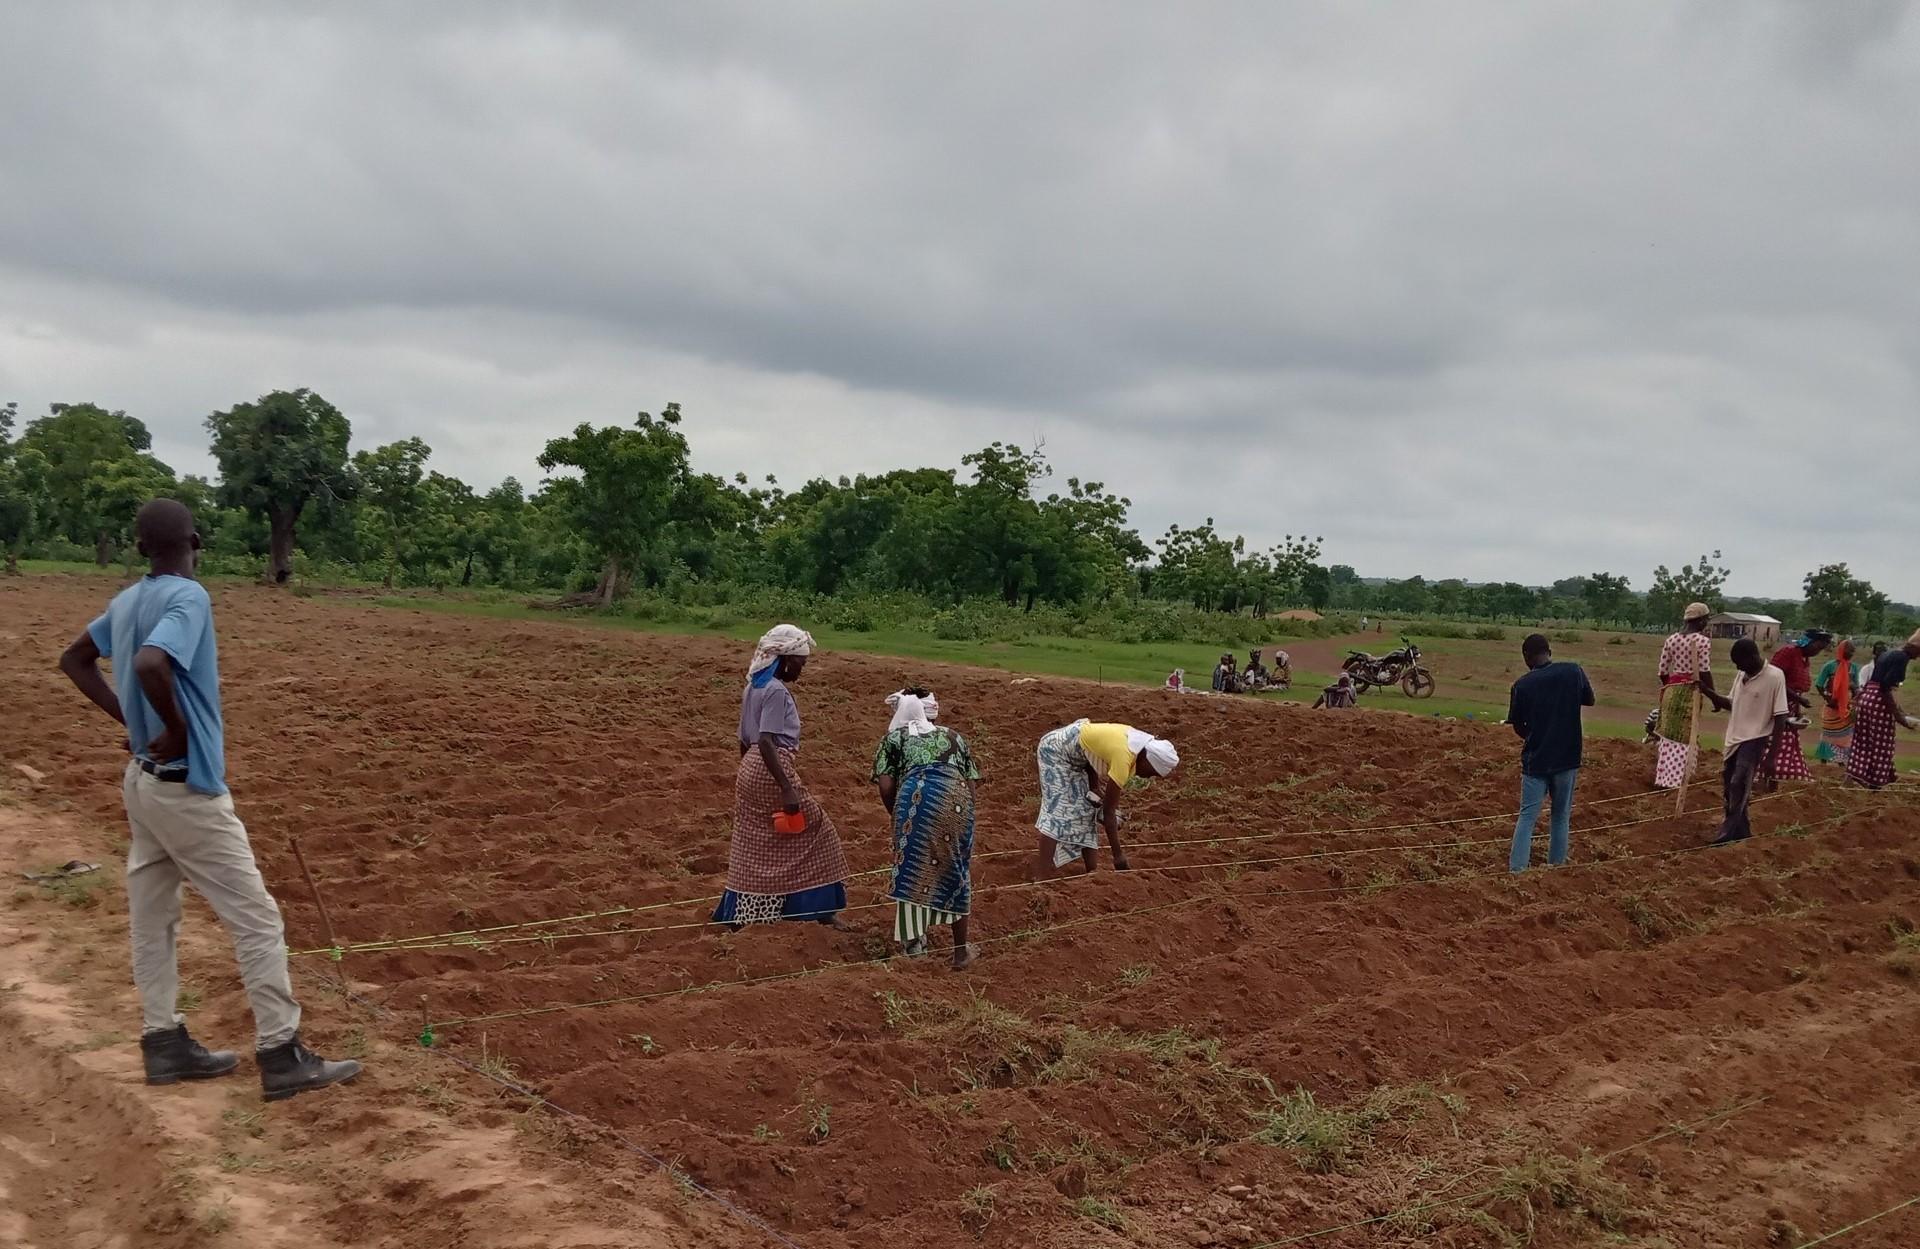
1401, 668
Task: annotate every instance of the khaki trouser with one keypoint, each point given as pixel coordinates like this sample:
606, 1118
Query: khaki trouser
183, 836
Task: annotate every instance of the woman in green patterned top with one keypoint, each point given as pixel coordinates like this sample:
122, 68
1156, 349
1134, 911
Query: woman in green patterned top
926, 781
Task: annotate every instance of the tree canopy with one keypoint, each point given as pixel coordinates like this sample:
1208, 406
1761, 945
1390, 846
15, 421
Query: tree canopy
622, 507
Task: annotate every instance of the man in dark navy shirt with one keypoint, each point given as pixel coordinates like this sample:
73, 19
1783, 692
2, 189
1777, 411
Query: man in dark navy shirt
1544, 710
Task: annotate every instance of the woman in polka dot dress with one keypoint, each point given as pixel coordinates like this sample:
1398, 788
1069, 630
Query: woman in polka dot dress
1685, 671
1876, 715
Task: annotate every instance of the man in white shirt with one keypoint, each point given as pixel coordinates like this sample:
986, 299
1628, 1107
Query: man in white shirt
1759, 700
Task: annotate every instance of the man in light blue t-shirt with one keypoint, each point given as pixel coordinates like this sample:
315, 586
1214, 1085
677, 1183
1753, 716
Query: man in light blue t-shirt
166, 690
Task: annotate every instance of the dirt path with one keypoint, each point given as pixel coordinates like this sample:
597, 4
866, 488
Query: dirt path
90, 1156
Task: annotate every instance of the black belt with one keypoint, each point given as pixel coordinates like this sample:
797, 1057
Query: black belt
158, 773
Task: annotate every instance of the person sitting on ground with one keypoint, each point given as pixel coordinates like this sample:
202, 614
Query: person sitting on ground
1340, 695
773, 872
1544, 710
1177, 680
926, 776
1083, 768
1226, 679
166, 691
1281, 675
1759, 710
1255, 677
1876, 714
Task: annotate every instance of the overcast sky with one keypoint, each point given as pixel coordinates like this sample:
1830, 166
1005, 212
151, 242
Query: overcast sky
1493, 291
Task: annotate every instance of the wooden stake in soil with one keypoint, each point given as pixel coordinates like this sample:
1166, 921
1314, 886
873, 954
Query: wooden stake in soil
1693, 752
326, 920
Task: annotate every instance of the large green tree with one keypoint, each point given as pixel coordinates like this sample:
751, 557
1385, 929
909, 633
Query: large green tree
1609, 598
623, 491
23, 490
279, 455
1703, 581
389, 479
92, 458
1842, 602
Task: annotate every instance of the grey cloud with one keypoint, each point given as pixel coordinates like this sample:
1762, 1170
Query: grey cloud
1468, 282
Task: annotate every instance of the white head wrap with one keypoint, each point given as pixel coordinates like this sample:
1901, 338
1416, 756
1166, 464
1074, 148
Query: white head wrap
912, 713
780, 640
1160, 751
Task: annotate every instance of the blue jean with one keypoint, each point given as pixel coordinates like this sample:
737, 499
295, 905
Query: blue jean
1533, 792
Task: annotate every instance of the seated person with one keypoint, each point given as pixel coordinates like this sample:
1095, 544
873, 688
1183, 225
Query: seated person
1226, 678
1340, 694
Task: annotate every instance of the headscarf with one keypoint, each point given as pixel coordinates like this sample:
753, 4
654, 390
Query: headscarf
1160, 751
913, 713
775, 644
1840, 689
1810, 638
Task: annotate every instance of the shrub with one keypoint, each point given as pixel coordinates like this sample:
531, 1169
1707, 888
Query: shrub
1489, 633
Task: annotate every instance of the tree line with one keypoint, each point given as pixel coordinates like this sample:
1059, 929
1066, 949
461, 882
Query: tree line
621, 506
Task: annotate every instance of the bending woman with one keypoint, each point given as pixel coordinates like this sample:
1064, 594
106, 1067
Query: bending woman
1083, 768
926, 777
772, 874
1876, 715
1786, 761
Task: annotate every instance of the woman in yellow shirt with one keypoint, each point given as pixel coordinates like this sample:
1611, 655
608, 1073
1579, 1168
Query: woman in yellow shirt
1083, 768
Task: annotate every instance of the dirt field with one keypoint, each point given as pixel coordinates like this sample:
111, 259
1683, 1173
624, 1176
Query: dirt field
1349, 1013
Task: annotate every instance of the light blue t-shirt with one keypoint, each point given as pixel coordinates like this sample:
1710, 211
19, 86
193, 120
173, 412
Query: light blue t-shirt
175, 615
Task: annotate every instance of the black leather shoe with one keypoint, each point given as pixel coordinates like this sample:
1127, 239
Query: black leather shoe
293, 1068
173, 1056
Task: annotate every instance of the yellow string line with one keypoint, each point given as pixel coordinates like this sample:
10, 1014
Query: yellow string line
1100, 918
440, 940
474, 943
802, 972
1495, 1191
1871, 1218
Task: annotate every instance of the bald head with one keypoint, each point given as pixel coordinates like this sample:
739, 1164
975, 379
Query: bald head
164, 528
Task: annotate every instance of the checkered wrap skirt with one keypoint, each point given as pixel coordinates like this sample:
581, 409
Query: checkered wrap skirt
763, 862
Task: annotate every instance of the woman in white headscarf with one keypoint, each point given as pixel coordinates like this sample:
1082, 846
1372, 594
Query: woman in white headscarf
1083, 768
926, 778
794, 868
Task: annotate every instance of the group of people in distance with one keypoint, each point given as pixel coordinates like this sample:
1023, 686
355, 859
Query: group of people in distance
786, 861
1230, 678
1765, 709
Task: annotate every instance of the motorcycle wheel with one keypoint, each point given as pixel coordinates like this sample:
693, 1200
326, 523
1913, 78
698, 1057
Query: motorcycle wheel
1418, 683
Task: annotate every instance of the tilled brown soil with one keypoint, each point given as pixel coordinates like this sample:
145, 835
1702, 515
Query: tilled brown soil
1340, 1008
